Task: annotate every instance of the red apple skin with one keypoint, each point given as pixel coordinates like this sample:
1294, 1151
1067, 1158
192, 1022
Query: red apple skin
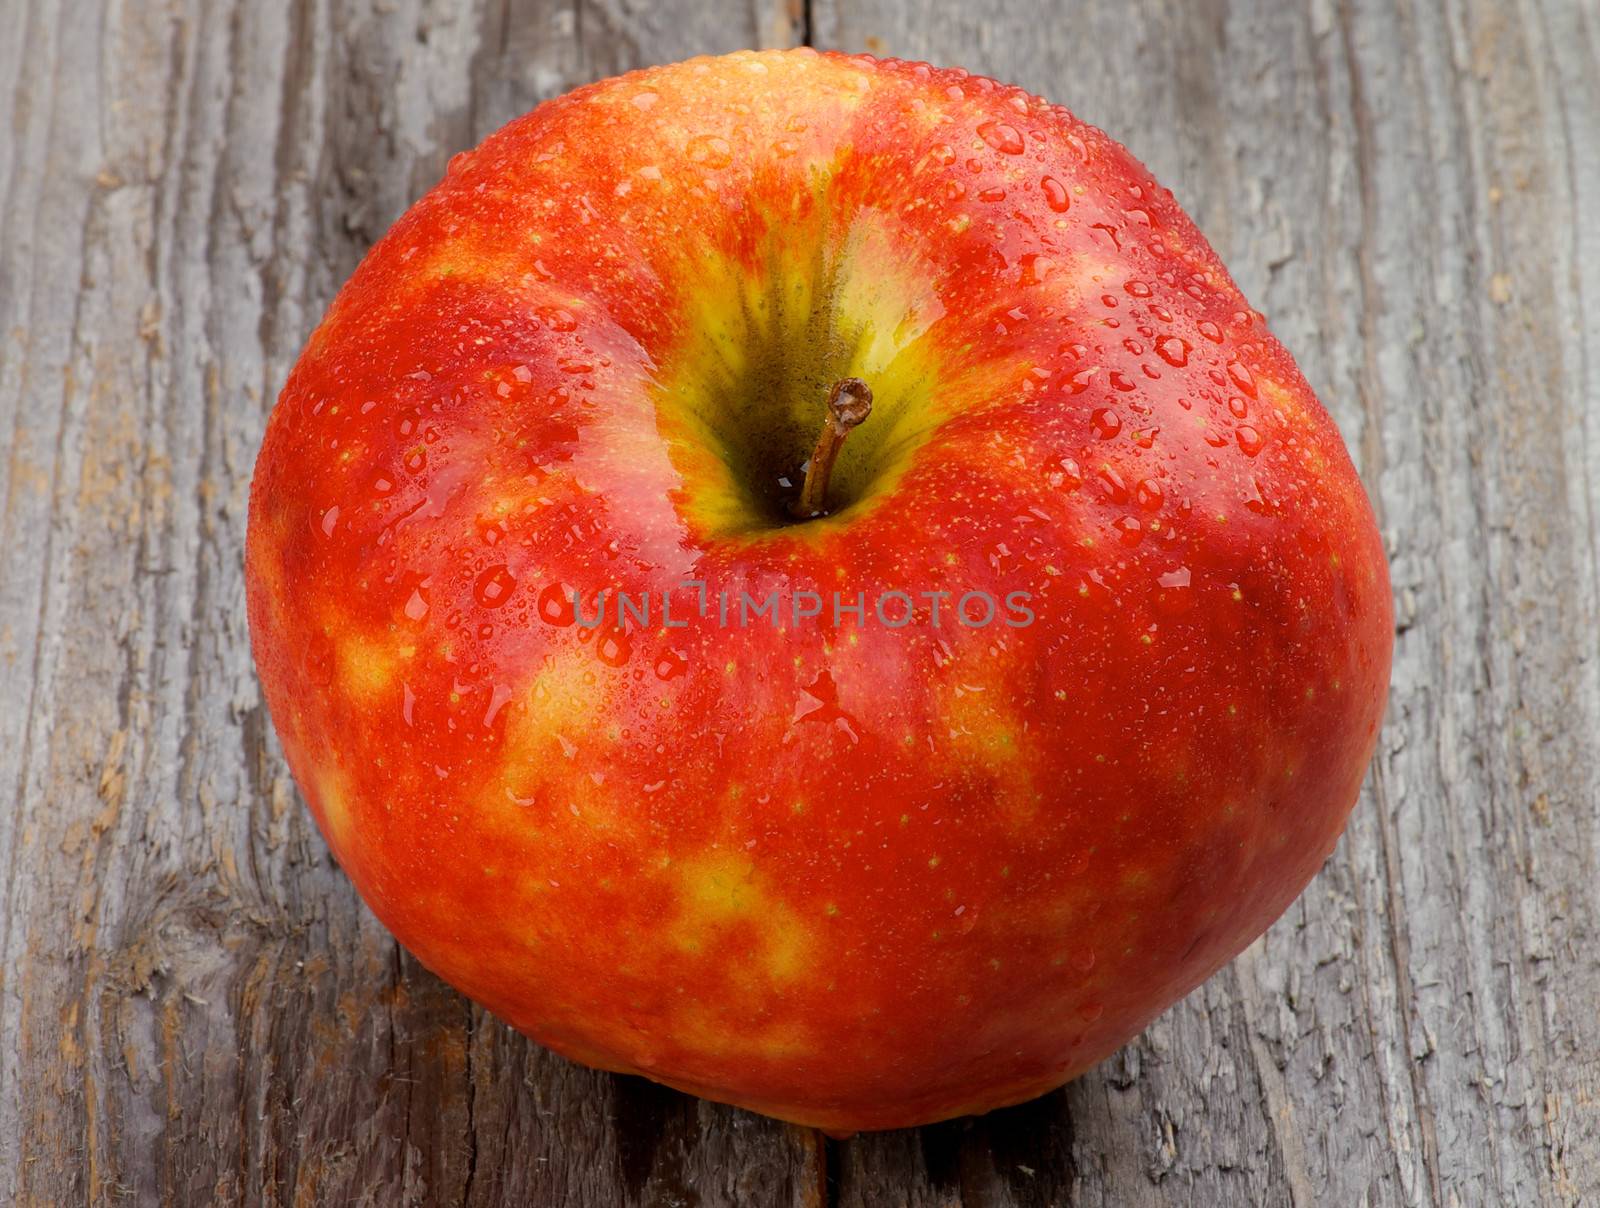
851, 876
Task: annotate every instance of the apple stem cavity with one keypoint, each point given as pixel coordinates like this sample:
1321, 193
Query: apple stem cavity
849, 402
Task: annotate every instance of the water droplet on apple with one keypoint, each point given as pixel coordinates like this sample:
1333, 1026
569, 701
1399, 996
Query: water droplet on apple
614, 648
329, 519
1249, 440
1106, 423
494, 586
1256, 501
1175, 595
1064, 474
1056, 195
710, 151
1129, 530
1001, 137
1242, 377
1111, 482
1210, 330
645, 98
1238, 407
1173, 351
1148, 494
555, 605
1035, 268
1137, 289
498, 699
416, 606
670, 664
1110, 233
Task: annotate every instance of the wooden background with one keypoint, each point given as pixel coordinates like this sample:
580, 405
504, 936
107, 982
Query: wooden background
195, 1008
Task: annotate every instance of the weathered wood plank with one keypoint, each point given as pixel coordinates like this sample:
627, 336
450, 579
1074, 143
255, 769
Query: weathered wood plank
1402, 188
195, 1008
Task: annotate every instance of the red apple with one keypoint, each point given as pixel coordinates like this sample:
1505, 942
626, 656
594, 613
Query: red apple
841, 869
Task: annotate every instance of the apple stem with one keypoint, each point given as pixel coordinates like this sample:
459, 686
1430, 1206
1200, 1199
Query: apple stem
849, 402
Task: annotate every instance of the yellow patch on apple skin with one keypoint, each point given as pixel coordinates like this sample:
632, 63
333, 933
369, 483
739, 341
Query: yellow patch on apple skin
1297, 413
368, 668
334, 795
1292, 404
453, 258
475, 258
702, 1029
1071, 280
689, 107
561, 713
721, 892
980, 728
559, 738
788, 947
715, 889
566, 693
264, 561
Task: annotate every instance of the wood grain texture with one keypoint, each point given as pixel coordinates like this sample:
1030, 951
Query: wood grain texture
195, 1008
